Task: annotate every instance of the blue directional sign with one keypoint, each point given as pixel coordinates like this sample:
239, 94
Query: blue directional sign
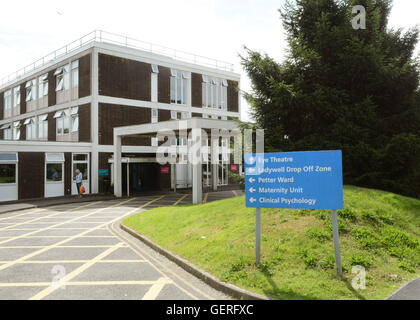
296, 180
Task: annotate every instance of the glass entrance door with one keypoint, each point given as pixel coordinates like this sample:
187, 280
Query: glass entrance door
81, 162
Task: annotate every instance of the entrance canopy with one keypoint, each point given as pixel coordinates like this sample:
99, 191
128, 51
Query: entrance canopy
196, 127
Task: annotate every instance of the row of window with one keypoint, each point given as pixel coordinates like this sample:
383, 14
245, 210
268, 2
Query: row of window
214, 90
67, 122
214, 93
36, 90
53, 165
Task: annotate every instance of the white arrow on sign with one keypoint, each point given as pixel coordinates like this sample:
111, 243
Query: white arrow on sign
251, 170
251, 180
251, 160
252, 190
252, 200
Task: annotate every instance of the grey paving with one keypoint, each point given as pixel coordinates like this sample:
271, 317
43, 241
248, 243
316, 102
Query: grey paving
124, 292
83, 243
409, 292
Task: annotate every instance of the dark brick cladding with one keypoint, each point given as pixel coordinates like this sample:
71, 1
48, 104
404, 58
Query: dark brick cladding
84, 123
196, 90
164, 85
67, 173
51, 127
51, 91
111, 116
124, 78
1, 105
22, 98
84, 76
31, 175
232, 96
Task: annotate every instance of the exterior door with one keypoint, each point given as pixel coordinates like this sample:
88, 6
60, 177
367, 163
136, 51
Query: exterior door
8, 177
81, 162
54, 175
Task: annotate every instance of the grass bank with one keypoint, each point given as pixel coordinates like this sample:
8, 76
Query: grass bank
378, 230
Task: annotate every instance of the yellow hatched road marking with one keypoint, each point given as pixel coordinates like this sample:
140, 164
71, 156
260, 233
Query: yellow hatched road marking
82, 268
156, 288
74, 273
28, 256
80, 283
143, 255
39, 218
35, 246
25, 213
180, 199
47, 228
73, 261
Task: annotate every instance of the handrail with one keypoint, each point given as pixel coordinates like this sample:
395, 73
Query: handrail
112, 38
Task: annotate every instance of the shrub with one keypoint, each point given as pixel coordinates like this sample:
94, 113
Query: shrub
405, 266
395, 238
238, 179
347, 214
365, 237
359, 259
318, 234
327, 262
309, 258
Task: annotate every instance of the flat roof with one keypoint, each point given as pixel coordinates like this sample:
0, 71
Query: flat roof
100, 36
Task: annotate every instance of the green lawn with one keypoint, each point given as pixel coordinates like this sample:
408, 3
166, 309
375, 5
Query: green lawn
378, 230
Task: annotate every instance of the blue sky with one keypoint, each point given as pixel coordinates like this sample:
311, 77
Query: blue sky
213, 28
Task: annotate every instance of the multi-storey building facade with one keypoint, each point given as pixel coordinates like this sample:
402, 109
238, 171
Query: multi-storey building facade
60, 116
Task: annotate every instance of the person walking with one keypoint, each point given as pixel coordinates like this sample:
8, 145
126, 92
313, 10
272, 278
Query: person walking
79, 179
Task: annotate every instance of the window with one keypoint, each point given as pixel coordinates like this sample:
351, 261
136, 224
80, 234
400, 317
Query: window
54, 172
16, 130
30, 128
31, 90
174, 115
154, 87
74, 119
8, 103
63, 122
224, 95
54, 157
43, 85
155, 68
214, 93
16, 96
179, 87
62, 78
154, 142
7, 131
205, 116
154, 115
43, 126
185, 115
7, 173
75, 74
8, 157
155, 71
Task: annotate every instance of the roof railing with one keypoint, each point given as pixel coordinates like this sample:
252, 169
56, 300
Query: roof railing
112, 38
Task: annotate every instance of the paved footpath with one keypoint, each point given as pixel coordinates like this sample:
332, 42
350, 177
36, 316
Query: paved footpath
78, 251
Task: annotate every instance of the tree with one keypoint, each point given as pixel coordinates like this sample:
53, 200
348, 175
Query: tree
342, 88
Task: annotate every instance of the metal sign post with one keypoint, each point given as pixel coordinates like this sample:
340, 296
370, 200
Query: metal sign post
295, 180
336, 242
257, 235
